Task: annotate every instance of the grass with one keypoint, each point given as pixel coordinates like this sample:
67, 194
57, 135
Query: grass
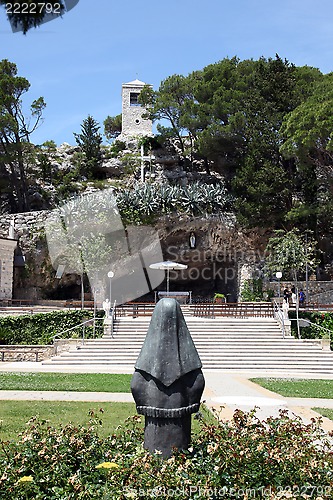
298, 388
14, 415
325, 412
80, 382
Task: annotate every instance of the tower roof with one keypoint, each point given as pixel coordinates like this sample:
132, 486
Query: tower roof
135, 83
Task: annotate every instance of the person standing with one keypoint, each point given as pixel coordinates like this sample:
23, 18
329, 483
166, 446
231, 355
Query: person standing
301, 297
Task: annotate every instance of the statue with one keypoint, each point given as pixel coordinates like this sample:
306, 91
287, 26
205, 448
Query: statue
106, 307
168, 382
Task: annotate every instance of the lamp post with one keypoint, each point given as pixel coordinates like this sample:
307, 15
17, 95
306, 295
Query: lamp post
82, 273
279, 276
110, 276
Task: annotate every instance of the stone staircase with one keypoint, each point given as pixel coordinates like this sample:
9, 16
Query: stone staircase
249, 344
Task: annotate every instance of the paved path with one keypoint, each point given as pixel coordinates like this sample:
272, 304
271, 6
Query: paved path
224, 391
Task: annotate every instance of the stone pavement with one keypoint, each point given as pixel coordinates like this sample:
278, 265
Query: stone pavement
225, 391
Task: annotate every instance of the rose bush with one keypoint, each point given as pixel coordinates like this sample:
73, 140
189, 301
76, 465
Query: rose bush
243, 458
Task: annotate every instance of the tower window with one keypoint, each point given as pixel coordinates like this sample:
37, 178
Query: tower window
134, 99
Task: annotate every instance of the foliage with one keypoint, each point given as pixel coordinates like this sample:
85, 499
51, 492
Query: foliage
38, 329
146, 203
15, 132
279, 457
229, 114
117, 147
290, 251
90, 141
218, 296
252, 291
321, 319
112, 126
149, 143
307, 132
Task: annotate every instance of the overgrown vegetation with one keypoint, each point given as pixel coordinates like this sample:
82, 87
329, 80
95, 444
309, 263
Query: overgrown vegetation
279, 458
38, 329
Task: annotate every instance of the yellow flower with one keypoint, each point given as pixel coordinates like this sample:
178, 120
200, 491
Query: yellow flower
107, 465
26, 479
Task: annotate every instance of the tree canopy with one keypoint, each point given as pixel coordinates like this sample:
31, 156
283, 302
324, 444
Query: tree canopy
15, 132
241, 117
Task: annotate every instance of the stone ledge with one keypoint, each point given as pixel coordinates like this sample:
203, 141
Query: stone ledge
21, 353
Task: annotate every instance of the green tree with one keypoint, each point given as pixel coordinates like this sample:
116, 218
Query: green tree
112, 126
308, 132
90, 141
15, 131
169, 103
290, 251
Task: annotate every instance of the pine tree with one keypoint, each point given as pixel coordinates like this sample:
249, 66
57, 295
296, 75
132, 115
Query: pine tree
90, 141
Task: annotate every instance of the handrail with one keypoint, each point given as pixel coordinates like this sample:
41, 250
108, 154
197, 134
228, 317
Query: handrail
314, 324
83, 324
279, 316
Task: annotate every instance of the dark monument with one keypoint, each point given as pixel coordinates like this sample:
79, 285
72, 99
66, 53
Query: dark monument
168, 382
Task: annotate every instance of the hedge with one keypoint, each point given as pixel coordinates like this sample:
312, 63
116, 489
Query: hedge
38, 329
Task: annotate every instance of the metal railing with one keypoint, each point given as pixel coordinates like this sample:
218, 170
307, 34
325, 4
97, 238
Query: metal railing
302, 322
236, 309
88, 322
135, 309
279, 316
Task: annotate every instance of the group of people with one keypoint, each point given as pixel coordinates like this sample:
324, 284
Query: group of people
290, 296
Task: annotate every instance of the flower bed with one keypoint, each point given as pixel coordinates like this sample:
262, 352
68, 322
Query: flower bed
244, 458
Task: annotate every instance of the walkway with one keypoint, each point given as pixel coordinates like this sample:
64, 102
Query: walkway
224, 391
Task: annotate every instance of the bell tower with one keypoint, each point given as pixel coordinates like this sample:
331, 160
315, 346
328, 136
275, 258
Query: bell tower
132, 122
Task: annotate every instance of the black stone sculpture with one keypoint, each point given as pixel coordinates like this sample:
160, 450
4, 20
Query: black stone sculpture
168, 382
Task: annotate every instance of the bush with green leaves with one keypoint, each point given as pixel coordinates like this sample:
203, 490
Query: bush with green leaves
321, 319
278, 458
39, 329
252, 291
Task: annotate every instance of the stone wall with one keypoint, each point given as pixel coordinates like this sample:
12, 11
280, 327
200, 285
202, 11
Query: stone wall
7, 247
25, 224
319, 291
10, 353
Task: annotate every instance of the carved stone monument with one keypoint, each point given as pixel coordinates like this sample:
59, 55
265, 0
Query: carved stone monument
168, 382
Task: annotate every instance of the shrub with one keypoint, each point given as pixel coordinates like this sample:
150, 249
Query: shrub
252, 291
322, 319
244, 458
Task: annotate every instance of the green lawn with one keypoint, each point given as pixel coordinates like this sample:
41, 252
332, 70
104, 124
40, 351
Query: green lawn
325, 412
14, 415
298, 388
80, 382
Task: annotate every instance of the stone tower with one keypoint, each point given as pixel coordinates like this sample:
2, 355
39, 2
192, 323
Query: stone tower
132, 122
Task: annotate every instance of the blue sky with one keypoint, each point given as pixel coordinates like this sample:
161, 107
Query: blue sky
79, 62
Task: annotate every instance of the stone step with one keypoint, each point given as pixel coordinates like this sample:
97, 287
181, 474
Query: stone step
231, 344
